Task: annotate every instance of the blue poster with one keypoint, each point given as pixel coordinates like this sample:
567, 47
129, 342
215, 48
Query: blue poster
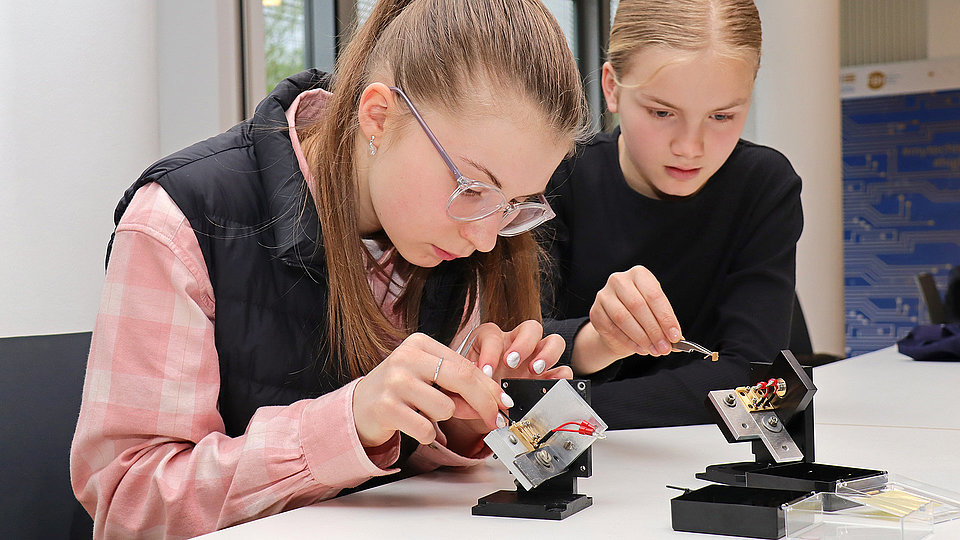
901, 209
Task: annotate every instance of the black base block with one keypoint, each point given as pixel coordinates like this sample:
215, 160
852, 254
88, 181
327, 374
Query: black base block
532, 504
733, 511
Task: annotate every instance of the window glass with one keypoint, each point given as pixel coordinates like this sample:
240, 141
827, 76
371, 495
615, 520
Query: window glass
564, 10
566, 13
364, 7
284, 39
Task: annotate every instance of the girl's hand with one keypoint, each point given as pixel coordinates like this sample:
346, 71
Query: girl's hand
401, 393
522, 353
632, 315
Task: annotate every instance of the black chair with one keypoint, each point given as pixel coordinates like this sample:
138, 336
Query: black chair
951, 299
800, 344
41, 386
931, 297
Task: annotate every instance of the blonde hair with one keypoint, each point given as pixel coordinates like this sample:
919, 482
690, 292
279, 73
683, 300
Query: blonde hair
439, 52
729, 27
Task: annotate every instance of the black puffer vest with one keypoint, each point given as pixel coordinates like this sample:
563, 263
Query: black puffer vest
246, 199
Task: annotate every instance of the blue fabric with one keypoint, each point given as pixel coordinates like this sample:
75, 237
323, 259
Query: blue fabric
932, 342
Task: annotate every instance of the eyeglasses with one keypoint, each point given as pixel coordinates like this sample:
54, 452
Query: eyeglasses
474, 200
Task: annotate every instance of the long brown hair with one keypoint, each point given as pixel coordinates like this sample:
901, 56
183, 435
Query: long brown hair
436, 50
731, 27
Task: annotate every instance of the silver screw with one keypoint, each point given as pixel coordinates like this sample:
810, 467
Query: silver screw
544, 458
730, 400
568, 445
513, 439
581, 385
773, 421
504, 384
583, 468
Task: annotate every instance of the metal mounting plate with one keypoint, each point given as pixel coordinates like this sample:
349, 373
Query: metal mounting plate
743, 425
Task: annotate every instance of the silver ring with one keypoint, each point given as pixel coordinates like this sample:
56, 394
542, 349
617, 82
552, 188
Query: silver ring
437, 371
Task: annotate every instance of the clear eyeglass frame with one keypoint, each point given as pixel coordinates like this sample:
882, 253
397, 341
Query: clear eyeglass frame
474, 200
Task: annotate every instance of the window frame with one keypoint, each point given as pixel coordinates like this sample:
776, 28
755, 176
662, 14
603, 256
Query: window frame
327, 24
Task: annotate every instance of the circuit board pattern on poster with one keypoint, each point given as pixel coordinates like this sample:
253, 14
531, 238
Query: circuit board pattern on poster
901, 210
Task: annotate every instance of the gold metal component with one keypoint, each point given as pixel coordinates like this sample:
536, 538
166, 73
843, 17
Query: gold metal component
757, 398
528, 434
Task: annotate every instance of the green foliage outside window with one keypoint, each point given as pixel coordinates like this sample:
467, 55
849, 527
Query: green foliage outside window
284, 47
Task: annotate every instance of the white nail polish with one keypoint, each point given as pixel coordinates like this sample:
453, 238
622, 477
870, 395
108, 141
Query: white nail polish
538, 366
506, 400
500, 421
513, 359
487, 370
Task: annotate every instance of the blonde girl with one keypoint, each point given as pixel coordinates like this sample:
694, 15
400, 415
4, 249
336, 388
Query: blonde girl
671, 225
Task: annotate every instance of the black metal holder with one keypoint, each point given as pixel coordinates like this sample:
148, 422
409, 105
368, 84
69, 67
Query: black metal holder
556, 498
796, 413
748, 501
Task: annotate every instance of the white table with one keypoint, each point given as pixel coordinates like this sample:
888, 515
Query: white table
888, 389
868, 415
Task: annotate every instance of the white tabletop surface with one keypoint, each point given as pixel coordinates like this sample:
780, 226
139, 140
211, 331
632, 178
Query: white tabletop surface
880, 411
886, 388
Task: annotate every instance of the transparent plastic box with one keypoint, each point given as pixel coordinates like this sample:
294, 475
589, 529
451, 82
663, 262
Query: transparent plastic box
945, 503
854, 516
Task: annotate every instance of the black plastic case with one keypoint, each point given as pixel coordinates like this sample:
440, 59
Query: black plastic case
733, 510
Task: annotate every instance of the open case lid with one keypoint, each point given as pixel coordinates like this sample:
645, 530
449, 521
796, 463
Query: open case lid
883, 507
838, 516
906, 492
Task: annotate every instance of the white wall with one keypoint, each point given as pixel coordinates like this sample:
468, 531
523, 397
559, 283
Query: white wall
943, 39
78, 122
91, 93
796, 109
200, 87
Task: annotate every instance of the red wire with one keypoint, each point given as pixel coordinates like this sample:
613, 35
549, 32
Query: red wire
768, 387
763, 386
772, 386
583, 428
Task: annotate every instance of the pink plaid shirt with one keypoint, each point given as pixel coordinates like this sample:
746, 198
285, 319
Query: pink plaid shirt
150, 457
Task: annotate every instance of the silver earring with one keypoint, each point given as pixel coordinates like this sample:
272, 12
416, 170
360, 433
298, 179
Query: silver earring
373, 149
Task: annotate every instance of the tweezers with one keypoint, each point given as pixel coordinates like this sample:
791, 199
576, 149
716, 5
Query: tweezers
465, 346
689, 346
468, 339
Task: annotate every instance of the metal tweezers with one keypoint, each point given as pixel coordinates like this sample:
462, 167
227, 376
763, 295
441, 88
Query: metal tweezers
465, 346
689, 346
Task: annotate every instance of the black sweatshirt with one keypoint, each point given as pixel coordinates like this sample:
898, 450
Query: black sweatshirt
725, 257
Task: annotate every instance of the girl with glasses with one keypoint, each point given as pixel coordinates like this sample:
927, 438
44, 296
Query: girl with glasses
671, 226
294, 307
